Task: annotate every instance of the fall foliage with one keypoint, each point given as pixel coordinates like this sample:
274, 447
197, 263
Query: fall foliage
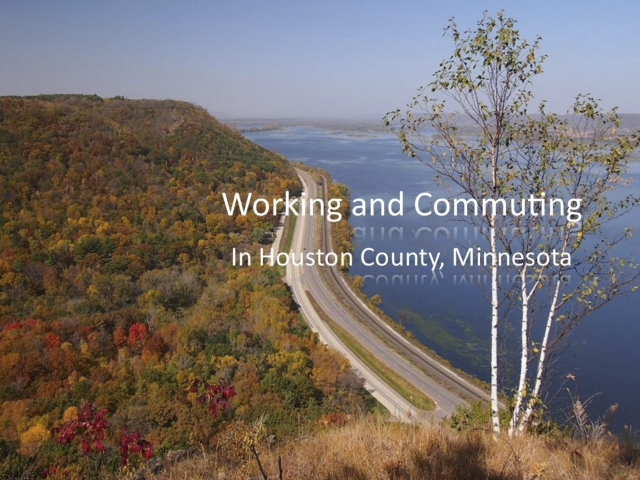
116, 287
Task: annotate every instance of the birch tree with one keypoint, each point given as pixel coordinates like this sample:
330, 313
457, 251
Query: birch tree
487, 80
578, 156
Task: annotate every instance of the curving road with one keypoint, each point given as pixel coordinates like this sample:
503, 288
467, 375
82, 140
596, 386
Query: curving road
440, 383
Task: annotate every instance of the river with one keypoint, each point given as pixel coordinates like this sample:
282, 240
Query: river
447, 309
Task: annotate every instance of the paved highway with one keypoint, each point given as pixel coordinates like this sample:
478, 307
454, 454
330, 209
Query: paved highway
440, 383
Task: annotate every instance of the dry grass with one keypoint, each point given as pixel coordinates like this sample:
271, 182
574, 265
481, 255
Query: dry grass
373, 449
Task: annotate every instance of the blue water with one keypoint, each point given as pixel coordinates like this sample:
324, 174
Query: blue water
447, 310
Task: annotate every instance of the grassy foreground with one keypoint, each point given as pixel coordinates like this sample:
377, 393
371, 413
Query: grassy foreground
289, 230
371, 449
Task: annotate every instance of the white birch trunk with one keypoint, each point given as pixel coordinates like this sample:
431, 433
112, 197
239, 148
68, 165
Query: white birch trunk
542, 360
553, 308
524, 357
495, 417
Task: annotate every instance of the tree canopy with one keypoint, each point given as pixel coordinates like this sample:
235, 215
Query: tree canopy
116, 287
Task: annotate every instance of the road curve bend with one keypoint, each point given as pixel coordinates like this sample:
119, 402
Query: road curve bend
440, 383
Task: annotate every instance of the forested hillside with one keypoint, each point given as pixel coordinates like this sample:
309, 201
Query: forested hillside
117, 292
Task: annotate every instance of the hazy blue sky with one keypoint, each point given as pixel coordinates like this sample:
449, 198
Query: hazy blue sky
300, 58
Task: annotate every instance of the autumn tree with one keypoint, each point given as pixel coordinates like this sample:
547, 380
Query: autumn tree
115, 280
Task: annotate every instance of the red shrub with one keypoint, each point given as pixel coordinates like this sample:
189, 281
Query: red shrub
138, 333
13, 326
90, 426
134, 444
52, 340
215, 397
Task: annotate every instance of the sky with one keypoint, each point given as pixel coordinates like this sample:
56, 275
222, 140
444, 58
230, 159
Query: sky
301, 58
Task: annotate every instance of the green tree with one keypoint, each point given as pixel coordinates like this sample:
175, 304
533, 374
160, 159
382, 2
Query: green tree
512, 155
